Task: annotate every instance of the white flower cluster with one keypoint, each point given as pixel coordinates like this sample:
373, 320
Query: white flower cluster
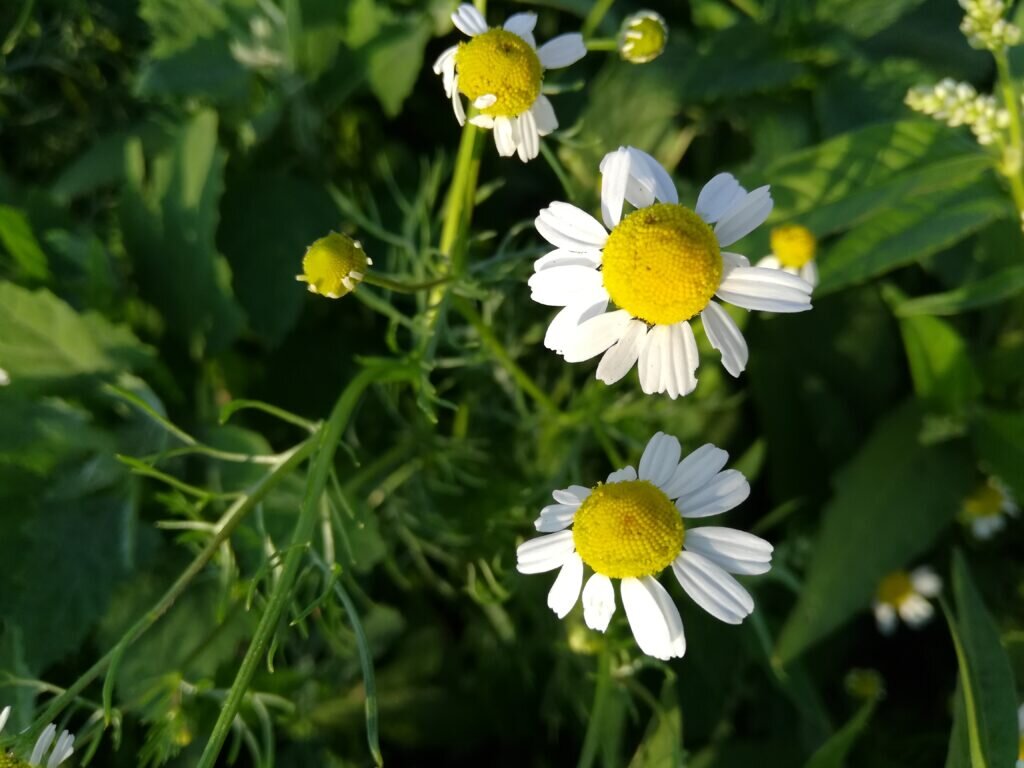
985, 27
960, 104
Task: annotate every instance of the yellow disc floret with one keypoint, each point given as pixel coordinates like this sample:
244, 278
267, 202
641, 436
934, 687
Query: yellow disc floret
662, 264
500, 64
895, 588
987, 501
628, 530
793, 245
643, 37
333, 265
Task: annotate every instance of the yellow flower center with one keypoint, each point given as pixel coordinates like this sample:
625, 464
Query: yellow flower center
895, 588
793, 245
643, 37
987, 501
627, 530
10, 761
501, 64
333, 265
662, 264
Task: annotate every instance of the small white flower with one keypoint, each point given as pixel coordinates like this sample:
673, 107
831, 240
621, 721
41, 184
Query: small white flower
501, 72
903, 595
61, 750
793, 251
987, 510
632, 527
661, 265
5, 378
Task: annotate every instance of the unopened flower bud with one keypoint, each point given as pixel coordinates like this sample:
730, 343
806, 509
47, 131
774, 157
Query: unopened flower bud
334, 265
643, 37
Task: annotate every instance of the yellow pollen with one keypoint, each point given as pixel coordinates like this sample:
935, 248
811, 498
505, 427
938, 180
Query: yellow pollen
987, 501
628, 530
662, 264
895, 588
333, 265
501, 64
793, 245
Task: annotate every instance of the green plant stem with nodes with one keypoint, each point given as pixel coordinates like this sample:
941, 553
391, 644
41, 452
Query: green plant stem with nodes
602, 691
326, 441
597, 13
222, 532
1013, 156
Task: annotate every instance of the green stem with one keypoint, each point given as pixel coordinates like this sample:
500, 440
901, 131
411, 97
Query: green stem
326, 440
460, 195
602, 44
498, 351
372, 278
1013, 156
596, 16
596, 724
223, 530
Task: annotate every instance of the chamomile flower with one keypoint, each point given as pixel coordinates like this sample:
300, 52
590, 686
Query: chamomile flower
501, 72
902, 595
634, 526
334, 265
793, 250
987, 509
42, 755
661, 265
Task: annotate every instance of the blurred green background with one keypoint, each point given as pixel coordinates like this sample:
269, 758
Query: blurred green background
163, 166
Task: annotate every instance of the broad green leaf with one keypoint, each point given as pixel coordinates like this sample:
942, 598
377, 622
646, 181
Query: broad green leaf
917, 228
891, 503
169, 214
987, 700
177, 24
943, 373
662, 746
1000, 449
269, 219
103, 163
834, 752
863, 18
18, 240
207, 68
989, 290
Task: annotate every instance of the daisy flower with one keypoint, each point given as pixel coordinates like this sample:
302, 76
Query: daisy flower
661, 265
634, 526
62, 750
987, 509
903, 595
793, 251
501, 71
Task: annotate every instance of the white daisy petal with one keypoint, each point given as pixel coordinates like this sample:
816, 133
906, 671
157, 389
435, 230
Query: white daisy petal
555, 517
725, 491
529, 137
654, 618
732, 260
62, 751
769, 290
619, 359
545, 553
505, 136
718, 197
469, 20
614, 177
885, 618
482, 121
769, 262
43, 744
624, 475
726, 337
679, 369
572, 496
562, 286
485, 101
744, 217
560, 258
984, 528
660, 459
732, 550
563, 326
594, 336
651, 356
522, 24
457, 108
712, 588
562, 51
566, 226
544, 115
696, 470
445, 65
5, 713
809, 273
915, 611
926, 581
650, 174
566, 589
598, 602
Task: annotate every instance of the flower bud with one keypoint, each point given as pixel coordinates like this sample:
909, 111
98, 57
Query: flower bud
643, 37
333, 265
